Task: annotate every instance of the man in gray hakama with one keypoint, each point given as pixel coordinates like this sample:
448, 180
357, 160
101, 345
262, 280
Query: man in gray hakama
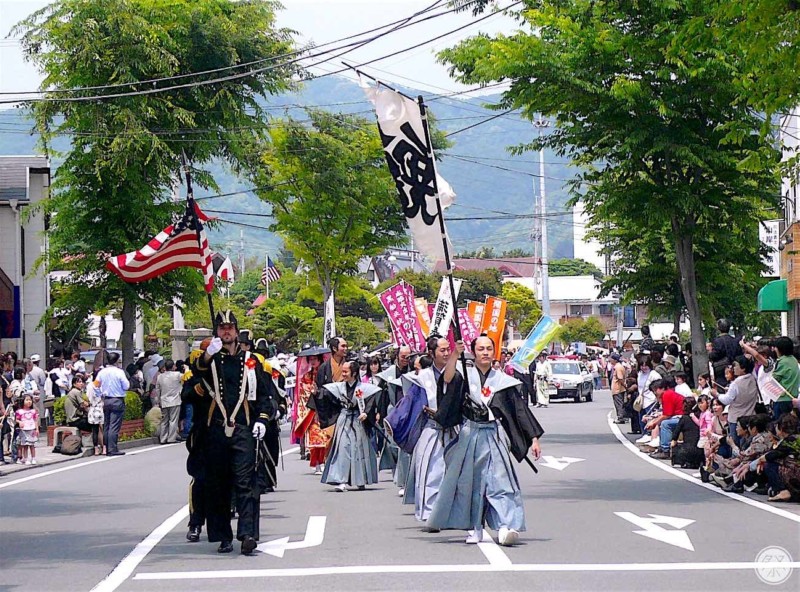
427, 461
352, 460
480, 485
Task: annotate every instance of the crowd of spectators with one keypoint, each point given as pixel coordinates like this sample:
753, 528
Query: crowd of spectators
738, 437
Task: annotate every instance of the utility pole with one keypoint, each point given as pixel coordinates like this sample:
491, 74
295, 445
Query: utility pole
540, 124
241, 252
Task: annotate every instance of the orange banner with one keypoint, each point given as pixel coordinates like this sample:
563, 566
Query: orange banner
494, 322
421, 306
475, 310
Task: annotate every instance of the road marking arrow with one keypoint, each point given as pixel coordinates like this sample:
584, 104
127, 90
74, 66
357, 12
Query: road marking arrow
559, 464
651, 528
315, 533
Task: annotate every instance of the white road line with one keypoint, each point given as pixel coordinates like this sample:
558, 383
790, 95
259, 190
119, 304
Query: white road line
493, 553
125, 567
79, 465
345, 570
673, 471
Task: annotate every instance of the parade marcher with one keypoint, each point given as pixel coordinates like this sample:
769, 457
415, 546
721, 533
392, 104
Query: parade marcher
243, 403
480, 484
391, 392
272, 440
415, 430
307, 428
196, 392
544, 374
330, 371
352, 460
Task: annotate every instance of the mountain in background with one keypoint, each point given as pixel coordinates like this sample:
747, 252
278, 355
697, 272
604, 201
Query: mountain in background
484, 188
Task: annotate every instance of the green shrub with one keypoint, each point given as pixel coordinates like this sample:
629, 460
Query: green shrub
133, 406
59, 414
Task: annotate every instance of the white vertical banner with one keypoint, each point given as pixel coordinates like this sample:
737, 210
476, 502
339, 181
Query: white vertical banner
329, 324
413, 168
443, 311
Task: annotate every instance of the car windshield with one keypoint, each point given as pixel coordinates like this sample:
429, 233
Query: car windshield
566, 368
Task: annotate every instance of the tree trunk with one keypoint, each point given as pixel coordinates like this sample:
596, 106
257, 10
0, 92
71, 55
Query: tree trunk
684, 250
676, 324
128, 330
101, 328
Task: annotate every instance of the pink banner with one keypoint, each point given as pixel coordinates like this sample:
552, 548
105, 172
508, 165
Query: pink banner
468, 329
398, 302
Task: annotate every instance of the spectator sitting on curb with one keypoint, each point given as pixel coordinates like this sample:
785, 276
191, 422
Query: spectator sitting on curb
672, 409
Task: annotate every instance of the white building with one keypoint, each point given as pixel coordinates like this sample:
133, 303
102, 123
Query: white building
24, 293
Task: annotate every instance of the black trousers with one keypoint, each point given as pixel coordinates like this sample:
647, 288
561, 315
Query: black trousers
231, 475
197, 503
273, 441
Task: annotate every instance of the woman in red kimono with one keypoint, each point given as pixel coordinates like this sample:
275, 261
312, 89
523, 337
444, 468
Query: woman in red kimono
307, 425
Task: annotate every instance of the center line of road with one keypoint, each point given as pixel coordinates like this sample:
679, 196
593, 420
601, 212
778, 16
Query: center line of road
493, 553
125, 567
673, 471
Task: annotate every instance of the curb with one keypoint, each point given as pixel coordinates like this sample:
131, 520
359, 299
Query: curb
130, 444
676, 472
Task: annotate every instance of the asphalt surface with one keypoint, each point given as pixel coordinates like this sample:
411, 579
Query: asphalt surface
68, 528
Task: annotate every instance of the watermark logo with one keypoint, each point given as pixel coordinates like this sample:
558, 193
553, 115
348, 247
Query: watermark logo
774, 569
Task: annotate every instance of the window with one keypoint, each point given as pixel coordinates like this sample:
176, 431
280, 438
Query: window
580, 310
605, 309
371, 275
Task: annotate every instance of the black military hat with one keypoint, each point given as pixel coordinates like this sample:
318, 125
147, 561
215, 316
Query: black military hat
226, 317
246, 337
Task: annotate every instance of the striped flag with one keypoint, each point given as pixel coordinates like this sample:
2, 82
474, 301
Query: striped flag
182, 244
270, 273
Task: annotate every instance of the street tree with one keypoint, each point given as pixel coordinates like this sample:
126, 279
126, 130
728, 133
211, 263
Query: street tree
112, 191
666, 146
333, 199
589, 330
522, 310
564, 267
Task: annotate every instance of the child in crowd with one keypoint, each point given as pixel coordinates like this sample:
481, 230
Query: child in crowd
704, 384
27, 419
681, 386
704, 422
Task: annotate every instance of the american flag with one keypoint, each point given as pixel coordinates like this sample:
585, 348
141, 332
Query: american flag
176, 246
270, 273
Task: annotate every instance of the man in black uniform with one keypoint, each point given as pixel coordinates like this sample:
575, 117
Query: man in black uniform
242, 404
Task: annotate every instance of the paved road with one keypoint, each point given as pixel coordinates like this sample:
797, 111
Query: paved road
69, 530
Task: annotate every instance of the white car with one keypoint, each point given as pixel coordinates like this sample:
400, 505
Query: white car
571, 379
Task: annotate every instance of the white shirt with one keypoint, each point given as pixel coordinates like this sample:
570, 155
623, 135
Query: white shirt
683, 390
113, 382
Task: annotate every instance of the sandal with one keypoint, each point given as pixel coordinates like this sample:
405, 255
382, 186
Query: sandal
781, 496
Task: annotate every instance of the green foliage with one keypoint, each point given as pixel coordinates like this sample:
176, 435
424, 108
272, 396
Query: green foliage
285, 323
522, 310
133, 406
126, 152
564, 267
59, 412
589, 330
333, 199
360, 333
684, 161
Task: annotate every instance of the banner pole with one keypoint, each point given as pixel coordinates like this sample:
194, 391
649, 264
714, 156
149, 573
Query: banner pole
190, 201
448, 263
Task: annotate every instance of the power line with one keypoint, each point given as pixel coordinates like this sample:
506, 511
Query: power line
232, 67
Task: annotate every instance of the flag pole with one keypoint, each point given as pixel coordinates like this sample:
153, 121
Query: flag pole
266, 273
445, 248
190, 201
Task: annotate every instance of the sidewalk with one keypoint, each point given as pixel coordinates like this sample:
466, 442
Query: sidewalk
45, 456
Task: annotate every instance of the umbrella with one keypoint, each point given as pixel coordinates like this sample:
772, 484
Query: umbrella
314, 350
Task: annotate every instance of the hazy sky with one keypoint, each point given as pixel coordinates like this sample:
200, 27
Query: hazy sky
320, 21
